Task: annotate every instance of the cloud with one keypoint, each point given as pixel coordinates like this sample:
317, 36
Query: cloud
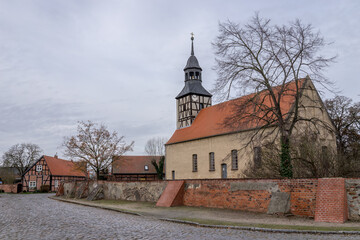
121, 62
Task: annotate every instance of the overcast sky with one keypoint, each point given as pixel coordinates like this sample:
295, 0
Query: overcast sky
121, 62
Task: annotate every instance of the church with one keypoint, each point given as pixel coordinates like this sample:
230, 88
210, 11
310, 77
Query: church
203, 147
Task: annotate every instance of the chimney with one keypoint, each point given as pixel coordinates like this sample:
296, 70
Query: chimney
55, 156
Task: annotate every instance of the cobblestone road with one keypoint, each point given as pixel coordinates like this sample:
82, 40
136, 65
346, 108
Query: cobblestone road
34, 216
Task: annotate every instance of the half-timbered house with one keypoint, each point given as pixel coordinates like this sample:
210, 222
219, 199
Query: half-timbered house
50, 171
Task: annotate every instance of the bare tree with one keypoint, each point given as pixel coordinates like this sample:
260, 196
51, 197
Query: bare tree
346, 118
95, 146
265, 58
308, 159
156, 147
21, 156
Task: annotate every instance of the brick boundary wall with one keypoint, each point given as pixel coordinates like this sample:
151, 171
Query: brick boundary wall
331, 201
324, 199
252, 195
9, 188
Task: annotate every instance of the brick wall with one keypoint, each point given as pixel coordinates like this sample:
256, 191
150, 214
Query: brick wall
303, 195
251, 195
331, 200
9, 188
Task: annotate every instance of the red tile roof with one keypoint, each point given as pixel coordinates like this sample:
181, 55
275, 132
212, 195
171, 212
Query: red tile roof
61, 167
133, 165
210, 121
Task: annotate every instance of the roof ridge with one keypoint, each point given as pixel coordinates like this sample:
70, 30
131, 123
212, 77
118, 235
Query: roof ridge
230, 100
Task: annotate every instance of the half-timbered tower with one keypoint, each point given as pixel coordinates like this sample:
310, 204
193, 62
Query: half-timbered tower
193, 97
50, 171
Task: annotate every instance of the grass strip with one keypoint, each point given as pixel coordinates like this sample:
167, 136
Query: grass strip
268, 226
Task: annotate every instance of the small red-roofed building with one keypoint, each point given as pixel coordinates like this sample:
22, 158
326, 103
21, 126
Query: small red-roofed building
50, 171
134, 168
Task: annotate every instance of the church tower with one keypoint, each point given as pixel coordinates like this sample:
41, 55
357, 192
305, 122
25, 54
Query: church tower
193, 97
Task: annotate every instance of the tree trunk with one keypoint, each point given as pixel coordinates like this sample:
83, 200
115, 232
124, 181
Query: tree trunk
97, 174
285, 158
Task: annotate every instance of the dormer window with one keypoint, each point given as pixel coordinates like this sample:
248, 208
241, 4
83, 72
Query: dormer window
146, 168
38, 168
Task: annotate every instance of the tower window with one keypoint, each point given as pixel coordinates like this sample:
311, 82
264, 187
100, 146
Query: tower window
197, 75
186, 76
194, 162
191, 75
211, 161
234, 159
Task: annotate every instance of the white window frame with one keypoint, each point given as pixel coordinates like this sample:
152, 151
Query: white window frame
38, 168
32, 184
56, 183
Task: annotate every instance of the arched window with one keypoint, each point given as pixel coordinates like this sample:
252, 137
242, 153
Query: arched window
211, 161
257, 157
234, 159
194, 162
197, 75
191, 75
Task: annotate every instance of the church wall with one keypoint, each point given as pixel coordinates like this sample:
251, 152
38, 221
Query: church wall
179, 156
312, 108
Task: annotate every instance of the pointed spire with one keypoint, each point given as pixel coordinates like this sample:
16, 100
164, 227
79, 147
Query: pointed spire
192, 44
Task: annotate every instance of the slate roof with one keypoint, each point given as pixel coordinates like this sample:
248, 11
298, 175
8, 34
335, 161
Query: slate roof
192, 62
133, 165
209, 121
193, 87
61, 167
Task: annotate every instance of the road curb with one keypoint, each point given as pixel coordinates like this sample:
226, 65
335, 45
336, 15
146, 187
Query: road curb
274, 230
95, 206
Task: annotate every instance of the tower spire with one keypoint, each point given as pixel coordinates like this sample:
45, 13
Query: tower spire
192, 44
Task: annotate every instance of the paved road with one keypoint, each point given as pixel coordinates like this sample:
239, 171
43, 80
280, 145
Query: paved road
34, 216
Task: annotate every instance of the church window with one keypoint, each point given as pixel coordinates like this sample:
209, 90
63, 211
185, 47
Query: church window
257, 157
211, 161
194, 162
234, 159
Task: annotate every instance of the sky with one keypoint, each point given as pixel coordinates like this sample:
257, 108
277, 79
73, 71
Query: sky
120, 63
